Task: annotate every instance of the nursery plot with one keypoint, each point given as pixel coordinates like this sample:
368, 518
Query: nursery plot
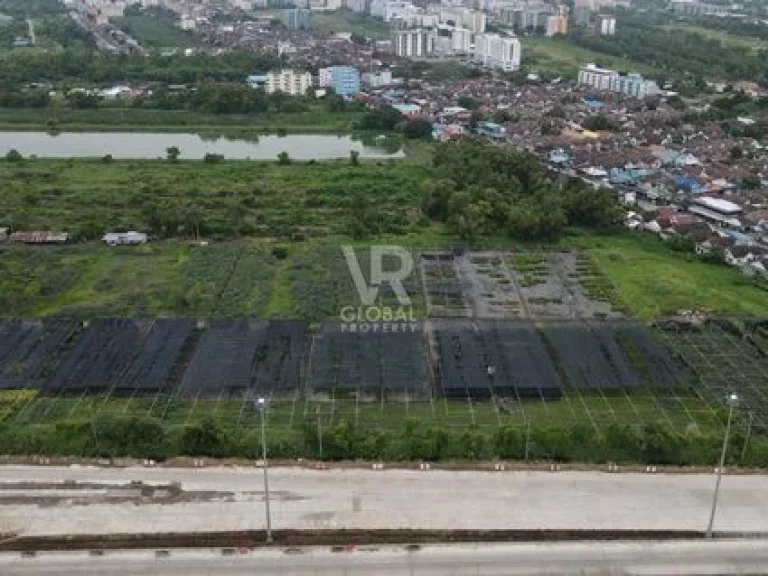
27, 349
151, 369
552, 286
724, 361
480, 359
241, 357
491, 290
653, 361
590, 358
371, 363
444, 289
321, 284
101, 353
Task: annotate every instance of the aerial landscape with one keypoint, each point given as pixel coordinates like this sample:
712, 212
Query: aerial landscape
390, 246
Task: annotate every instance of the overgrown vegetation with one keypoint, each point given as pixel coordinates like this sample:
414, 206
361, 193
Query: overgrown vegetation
150, 437
483, 190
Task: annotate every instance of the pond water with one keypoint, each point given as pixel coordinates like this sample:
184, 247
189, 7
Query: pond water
149, 145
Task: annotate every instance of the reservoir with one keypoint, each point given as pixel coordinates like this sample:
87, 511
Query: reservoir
151, 145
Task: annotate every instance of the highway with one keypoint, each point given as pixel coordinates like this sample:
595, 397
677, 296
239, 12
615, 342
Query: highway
50, 500
702, 557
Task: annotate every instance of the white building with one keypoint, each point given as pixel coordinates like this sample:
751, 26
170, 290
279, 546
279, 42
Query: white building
605, 25
358, 6
599, 78
414, 43
288, 81
494, 51
611, 81
377, 79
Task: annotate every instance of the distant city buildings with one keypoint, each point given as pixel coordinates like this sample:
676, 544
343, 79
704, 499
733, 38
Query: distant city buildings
289, 82
605, 25
297, 19
377, 79
494, 51
414, 42
611, 81
558, 24
345, 80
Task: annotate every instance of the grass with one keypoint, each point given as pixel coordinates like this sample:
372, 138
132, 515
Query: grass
153, 32
561, 57
317, 119
656, 281
728, 40
348, 21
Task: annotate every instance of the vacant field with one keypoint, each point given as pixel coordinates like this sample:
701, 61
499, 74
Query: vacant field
561, 57
151, 31
110, 119
725, 38
347, 21
655, 281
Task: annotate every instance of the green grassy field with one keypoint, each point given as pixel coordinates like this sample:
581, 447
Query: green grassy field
725, 38
138, 119
153, 32
347, 21
656, 281
561, 57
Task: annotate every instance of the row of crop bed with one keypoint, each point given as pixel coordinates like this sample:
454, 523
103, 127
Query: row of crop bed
244, 358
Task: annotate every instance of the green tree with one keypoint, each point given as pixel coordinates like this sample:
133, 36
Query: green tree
417, 129
283, 159
354, 158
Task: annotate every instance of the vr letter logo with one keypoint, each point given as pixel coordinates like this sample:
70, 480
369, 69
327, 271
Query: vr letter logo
368, 293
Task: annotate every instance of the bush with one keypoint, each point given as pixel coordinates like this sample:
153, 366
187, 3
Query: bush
14, 156
212, 158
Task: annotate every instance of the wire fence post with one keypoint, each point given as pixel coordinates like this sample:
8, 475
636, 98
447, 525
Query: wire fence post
320, 431
746, 439
527, 438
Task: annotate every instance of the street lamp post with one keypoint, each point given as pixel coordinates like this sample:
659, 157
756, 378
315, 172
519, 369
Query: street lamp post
732, 401
261, 405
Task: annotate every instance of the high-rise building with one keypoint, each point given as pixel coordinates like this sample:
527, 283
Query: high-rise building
416, 42
558, 24
345, 80
599, 78
288, 81
494, 51
582, 15
297, 19
605, 25
611, 81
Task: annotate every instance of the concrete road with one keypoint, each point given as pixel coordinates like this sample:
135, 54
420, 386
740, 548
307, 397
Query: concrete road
232, 499
720, 557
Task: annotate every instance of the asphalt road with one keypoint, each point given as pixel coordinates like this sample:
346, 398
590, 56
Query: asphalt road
232, 499
719, 557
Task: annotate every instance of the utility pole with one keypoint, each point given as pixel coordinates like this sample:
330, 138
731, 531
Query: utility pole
732, 401
261, 404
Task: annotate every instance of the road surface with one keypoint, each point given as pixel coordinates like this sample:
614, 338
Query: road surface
719, 557
34, 500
